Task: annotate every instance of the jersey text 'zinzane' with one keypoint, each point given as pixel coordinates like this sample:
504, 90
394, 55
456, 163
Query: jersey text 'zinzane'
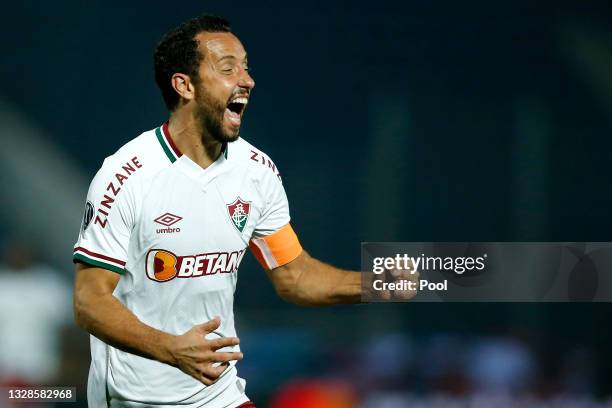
115, 188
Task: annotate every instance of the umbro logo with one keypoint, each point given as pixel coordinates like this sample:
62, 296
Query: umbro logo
167, 220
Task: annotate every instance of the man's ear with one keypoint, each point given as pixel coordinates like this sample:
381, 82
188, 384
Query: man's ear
183, 86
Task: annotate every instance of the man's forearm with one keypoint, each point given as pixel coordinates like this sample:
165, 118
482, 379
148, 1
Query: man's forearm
104, 316
109, 320
310, 282
324, 284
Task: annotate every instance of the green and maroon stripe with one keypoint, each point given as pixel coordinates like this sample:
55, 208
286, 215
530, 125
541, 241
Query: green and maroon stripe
102, 261
167, 144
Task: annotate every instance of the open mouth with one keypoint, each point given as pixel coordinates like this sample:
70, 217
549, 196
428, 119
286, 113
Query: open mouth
235, 109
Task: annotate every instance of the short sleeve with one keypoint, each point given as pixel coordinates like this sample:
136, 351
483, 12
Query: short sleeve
107, 221
274, 243
276, 210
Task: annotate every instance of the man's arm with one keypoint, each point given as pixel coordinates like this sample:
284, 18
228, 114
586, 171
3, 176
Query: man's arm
100, 313
307, 281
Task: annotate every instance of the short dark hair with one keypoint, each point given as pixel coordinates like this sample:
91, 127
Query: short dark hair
177, 51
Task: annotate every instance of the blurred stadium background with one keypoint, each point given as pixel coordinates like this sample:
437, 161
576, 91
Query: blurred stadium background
389, 121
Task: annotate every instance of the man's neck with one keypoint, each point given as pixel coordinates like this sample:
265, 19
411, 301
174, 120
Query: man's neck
190, 139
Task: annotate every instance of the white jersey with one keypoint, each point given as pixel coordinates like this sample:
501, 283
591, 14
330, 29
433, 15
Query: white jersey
177, 233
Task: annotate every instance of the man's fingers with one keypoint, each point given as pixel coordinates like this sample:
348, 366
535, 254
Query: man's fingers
405, 294
403, 273
211, 325
209, 375
384, 294
397, 273
206, 378
216, 344
215, 372
221, 357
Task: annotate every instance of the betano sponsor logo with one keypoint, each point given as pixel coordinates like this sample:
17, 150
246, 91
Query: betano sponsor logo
163, 265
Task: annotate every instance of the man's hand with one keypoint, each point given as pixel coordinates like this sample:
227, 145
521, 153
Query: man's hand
197, 356
399, 283
399, 275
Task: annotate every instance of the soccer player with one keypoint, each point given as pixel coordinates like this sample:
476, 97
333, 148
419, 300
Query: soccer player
167, 221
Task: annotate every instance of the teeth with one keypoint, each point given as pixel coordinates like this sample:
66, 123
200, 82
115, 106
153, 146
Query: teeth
243, 101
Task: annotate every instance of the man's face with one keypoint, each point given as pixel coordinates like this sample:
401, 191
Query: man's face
225, 85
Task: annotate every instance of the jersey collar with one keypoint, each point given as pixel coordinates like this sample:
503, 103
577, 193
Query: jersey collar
167, 144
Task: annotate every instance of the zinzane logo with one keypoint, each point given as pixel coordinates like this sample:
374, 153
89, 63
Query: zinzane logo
167, 220
114, 188
163, 266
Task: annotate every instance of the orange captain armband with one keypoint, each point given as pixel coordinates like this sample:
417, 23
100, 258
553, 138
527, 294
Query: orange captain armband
276, 249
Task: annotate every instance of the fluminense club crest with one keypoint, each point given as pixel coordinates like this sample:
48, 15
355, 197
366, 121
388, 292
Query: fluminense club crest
239, 213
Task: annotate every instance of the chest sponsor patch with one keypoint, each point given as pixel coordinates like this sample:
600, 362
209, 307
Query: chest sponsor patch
163, 266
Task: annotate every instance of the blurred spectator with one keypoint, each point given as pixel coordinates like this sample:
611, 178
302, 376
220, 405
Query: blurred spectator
443, 363
315, 394
501, 366
35, 303
578, 372
386, 357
